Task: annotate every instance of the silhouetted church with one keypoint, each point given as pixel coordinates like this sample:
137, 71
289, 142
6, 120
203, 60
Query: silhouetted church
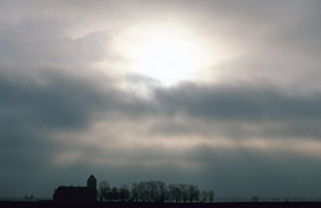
77, 194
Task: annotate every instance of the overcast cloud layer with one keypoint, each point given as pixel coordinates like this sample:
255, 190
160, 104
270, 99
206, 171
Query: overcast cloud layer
253, 129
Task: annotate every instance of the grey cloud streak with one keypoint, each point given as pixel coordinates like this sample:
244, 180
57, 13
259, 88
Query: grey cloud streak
255, 106
65, 101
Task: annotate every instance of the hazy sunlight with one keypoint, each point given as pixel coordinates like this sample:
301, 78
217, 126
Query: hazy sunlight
166, 53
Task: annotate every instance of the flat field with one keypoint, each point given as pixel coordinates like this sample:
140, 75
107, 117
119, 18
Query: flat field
50, 204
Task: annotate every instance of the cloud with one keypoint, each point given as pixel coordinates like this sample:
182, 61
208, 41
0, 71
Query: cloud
240, 107
44, 42
252, 131
55, 120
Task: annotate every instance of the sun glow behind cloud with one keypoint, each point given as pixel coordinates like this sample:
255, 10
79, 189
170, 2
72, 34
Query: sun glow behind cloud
168, 53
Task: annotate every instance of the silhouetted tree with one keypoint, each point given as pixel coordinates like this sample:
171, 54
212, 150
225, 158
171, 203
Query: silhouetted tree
156, 191
149, 191
162, 191
153, 191
115, 194
142, 191
255, 199
174, 192
211, 195
184, 194
135, 191
204, 196
103, 190
193, 193
31, 197
124, 193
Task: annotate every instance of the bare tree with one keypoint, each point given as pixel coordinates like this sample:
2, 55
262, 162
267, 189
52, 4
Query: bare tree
149, 191
153, 191
124, 193
114, 194
135, 191
211, 195
204, 196
174, 192
184, 194
103, 190
162, 191
142, 191
193, 193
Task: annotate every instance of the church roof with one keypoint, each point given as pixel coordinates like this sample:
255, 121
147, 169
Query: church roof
92, 177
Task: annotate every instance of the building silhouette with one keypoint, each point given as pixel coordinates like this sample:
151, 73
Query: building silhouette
77, 194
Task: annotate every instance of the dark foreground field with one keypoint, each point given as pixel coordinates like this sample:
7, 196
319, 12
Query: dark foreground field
161, 205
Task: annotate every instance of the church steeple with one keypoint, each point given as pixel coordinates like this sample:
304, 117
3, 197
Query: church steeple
91, 182
91, 185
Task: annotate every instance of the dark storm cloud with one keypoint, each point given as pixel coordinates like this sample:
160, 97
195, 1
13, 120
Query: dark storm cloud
57, 99
234, 106
61, 103
239, 102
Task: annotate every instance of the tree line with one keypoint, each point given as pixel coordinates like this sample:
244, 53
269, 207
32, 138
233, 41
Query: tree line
154, 191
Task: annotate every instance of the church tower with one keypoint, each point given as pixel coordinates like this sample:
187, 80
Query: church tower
91, 186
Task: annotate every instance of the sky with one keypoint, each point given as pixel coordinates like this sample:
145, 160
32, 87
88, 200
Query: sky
225, 95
